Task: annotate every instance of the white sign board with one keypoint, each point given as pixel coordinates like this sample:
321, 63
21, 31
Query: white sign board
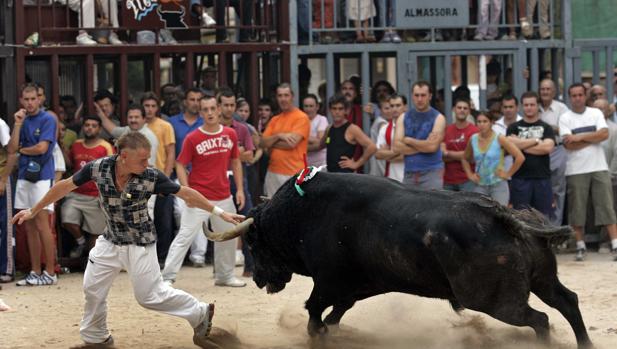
422, 14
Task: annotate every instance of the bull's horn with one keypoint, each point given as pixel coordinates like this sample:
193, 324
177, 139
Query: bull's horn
232, 233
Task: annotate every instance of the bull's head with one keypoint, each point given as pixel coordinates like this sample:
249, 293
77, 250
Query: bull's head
270, 271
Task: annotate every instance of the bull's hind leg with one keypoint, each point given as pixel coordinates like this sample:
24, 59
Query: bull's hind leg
556, 295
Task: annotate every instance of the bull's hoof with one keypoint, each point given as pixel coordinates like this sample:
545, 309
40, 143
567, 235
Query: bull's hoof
315, 329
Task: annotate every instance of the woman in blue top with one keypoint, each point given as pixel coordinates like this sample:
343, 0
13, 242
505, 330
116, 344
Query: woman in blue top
486, 150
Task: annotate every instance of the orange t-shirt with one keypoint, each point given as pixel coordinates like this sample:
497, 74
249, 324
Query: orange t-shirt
284, 161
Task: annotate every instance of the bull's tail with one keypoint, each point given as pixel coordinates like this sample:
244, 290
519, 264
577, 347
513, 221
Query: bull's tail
534, 223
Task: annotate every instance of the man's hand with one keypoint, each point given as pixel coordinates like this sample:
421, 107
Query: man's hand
348, 163
240, 199
22, 216
289, 139
20, 115
567, 139
232, 218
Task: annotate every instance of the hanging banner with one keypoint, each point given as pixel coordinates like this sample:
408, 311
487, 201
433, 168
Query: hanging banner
422, 14
155, 14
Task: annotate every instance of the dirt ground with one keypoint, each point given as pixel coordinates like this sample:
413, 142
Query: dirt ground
48, 317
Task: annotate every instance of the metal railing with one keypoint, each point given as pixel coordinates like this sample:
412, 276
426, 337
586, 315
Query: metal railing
49, 16
317, 17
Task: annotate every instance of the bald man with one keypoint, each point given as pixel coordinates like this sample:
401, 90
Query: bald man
609, 145
550, 111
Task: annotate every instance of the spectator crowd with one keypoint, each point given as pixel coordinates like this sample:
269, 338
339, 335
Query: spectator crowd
529, 151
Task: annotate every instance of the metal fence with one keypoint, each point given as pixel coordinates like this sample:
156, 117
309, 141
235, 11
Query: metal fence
257, 18
315, 17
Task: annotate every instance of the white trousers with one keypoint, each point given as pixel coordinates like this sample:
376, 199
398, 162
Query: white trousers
273, 182
191, 226
85, 8
105, 262
200, 243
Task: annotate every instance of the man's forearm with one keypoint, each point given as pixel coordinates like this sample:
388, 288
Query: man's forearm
236, 169
170, 159
181, 174
268, 142
57, 192
13, 145
34, 150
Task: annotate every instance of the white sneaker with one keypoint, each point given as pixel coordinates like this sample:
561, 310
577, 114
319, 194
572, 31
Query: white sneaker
31, 277
202, 331
114, 40
84, 39
233, 282
42, 280
206, 20
166, 37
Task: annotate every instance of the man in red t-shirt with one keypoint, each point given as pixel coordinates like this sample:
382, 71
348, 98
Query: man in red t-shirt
210, 150
81, 210
453, 148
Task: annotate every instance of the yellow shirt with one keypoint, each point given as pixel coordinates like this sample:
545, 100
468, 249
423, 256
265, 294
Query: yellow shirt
166, 136
289, 161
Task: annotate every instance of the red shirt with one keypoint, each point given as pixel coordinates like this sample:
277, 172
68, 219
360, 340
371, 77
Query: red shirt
209, 155
456, 140
80, 155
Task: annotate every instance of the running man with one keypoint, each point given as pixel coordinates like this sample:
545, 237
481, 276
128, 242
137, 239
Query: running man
125, 184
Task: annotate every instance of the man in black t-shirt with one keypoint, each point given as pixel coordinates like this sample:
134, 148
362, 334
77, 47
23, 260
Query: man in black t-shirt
531, 184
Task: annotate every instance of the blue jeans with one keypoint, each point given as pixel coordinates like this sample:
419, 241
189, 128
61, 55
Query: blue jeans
532, 192
427, 180
249, 265
465, 186
303, 21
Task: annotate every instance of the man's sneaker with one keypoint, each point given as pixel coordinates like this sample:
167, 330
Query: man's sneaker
114, 40
5, 278
109, 342
580, 254
233, 282
526, 28
44, 280
202, 331
31, 277
77, 251
614, 253
166, 37
206, 20
84, 39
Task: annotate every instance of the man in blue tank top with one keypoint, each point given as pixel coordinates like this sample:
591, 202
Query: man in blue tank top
418, 136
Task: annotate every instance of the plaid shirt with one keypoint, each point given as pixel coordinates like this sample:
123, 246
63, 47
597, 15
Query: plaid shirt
126, 212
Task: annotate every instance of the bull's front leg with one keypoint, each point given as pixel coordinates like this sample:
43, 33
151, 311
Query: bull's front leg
316, 304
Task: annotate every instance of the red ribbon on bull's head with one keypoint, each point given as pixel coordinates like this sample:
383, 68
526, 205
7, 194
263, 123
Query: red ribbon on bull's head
305, 175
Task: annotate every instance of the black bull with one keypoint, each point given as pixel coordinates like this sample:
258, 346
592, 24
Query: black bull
359, 236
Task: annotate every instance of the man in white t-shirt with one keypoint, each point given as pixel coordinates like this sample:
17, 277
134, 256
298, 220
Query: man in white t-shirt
583, 129
319, 124
391, 110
